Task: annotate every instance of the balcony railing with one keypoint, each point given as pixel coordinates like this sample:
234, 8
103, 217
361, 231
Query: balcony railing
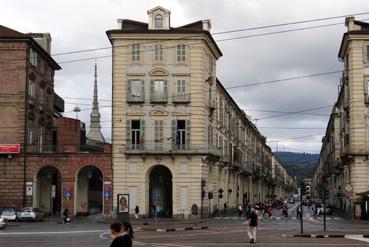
158, 97
181, 98
169, 148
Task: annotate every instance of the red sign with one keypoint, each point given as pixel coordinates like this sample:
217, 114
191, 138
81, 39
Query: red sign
9, 148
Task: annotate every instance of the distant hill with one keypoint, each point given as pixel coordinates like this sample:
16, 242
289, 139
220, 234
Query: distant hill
299, 165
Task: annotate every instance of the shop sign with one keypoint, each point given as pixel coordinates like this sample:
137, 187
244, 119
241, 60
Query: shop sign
9, 148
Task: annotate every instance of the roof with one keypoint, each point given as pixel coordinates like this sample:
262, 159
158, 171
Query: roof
9, 34
6, 32
132, 26
364, 30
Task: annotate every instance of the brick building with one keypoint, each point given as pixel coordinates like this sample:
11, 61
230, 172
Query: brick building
53, 168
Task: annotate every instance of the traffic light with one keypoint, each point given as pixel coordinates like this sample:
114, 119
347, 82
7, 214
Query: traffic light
327, 194
304, 189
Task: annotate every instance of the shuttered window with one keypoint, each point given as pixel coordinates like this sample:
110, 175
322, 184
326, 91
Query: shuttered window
158, 134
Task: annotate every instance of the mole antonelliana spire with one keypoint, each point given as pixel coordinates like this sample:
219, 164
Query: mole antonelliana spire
95, 127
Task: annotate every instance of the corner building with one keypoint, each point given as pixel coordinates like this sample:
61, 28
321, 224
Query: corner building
177, 134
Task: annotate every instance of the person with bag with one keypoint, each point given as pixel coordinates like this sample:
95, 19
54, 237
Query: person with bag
252, 222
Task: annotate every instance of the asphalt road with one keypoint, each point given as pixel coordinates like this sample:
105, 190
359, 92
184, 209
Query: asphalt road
223, 231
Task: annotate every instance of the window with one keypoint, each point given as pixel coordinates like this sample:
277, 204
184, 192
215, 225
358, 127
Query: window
158, 52
181, 52
42, 66
159, 91
182, 134
210, 136
29, 132
181, 90
137, 137
158, 21
33, 57
42, 98
135, 90
158, 132
367, 53
31, 88
41, 140
135, 52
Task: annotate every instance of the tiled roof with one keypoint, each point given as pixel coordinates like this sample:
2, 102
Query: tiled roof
6, 32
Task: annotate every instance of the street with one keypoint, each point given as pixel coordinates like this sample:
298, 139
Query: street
223, 231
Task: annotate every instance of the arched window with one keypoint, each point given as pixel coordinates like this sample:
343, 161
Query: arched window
158, 21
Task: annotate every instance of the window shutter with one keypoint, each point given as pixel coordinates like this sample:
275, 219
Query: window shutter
128, 135
142, 134
174, 129
152, 90
142, 90
129, 90
165, 91
175, 91
365, 53
187, 90
188, 134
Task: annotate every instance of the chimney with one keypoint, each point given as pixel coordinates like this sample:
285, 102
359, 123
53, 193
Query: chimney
43, 39
349, 23
120, 23
206, 25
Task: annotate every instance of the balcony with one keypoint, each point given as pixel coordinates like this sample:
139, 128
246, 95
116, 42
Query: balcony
169, 148
157, 97
181, 98
137, 97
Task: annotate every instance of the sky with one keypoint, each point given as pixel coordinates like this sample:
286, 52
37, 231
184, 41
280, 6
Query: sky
80, 25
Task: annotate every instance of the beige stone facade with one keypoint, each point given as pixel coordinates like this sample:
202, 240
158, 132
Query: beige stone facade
343, 168
178, 137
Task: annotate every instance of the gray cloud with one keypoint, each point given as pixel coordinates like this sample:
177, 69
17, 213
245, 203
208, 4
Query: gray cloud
77, 25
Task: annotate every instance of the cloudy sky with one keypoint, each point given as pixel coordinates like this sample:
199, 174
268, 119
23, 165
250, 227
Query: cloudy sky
79, 25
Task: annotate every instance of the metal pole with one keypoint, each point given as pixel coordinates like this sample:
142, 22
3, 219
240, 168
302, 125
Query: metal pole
301, 215
324, 218
156, 207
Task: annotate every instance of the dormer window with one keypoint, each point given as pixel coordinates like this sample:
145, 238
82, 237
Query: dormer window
158, 21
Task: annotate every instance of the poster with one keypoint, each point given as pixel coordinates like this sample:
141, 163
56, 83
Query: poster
123, 203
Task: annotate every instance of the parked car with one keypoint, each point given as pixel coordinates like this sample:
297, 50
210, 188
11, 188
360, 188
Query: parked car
29, 213
9, 214
2, 223
291, 200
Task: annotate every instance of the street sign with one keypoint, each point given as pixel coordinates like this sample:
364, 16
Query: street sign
68, 194
9, 148
106, 194
29, 190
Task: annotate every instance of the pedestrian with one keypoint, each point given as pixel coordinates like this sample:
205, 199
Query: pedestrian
270, 210
225, 208
298, 212
65, 216
137, 211
122, 234
216, 210
239, 210
252, 222
357, 214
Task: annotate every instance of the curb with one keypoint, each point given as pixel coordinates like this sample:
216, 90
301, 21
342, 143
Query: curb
181, 229
327, 235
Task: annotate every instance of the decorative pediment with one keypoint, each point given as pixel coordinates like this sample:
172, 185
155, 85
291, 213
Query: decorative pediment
158, 112
159, 72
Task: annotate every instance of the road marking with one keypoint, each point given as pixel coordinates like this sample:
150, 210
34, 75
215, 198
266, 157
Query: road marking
245, 243
359, 239
103, 234
42, 233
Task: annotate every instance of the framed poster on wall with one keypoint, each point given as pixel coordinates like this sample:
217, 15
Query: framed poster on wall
123, 203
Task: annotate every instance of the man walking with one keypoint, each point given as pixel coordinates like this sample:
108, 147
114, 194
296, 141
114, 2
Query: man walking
252, 221
239, 210
225, 208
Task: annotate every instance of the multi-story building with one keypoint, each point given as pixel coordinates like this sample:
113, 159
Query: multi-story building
44, 161
178, 137
343, 166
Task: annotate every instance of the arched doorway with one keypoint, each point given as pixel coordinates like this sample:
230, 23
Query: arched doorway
89, 196
160, 192
49, 191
